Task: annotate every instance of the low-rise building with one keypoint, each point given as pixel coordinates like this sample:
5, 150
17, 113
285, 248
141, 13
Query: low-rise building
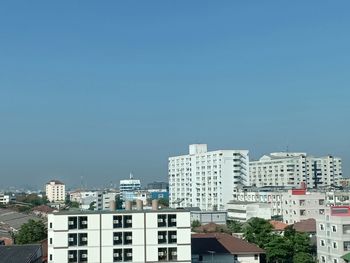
333, 235
119, 236
243, 211
206, 217
221, 247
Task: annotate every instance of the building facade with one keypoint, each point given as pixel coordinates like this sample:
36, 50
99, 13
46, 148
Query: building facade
299, 204
206, 179
127, 236
128, 187
243, 211
333, 235
291, 169
55, 191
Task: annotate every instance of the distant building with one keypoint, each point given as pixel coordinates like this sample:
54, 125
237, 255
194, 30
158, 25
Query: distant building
222, 247
5, 199
206, 179
158, 186
243, 211
55, 191
135, 236
290, 169
206, 217
127, 188
333, 235
299, 204
104, 200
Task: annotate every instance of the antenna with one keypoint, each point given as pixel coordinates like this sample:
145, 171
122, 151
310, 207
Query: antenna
131, 176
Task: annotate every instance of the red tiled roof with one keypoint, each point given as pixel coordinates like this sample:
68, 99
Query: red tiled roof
306, 226
8, 241
43, 209
222, 243
278, 225
210, 228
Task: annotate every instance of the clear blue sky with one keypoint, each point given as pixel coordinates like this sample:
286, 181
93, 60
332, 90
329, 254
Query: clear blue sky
101, 88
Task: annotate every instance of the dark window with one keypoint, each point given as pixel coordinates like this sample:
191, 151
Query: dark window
172, 237
72, 222
50, 241
171, 220
117, 221
51, 225
83, 239
50, 256
83, 222
117, 255
162, 220
128, 254
161, 237
127, 238
83, 256
256, 256
172, 253
162, 254
72, 256
72, 240
127, 221
200, 258
117, 238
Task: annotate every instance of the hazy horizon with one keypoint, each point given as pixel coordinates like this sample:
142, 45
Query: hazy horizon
100, 90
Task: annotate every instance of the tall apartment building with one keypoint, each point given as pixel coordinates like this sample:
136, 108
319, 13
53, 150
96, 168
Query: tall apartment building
290, 169
298, 204
123, 236
55, 191
127, 188
333, 235
206, 179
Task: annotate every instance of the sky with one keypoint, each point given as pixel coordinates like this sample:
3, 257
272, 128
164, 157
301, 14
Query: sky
91, 91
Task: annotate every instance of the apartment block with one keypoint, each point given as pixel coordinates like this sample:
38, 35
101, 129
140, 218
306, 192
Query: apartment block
291, 169
299, 204
333, 235
206, 179
55, 191
119, 236
243, 211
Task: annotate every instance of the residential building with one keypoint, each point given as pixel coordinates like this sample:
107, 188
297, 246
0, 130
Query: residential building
333, 235
299, 204
104, 200
206, 179
119, 236
4, 199
243, 211
290, 169
222, 247
158, 186
55, 191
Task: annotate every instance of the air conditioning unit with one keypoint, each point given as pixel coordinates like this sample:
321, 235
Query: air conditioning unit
173, 236
70, 222
160, 237
115, 221
84, 222
173, 220
161, 253
70, 256
116, 238
70, 239
116, 255
84, 255
173, 253
128, 221
84, 239
129, 254
129, 238
160, 220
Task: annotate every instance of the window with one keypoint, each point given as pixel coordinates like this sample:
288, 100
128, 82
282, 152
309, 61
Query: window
72, 256
172, 254
162, 220
335, 245
83, 239
72, 240
50, 241
172, 238
128, 254
323, 259
127, 238
50, 256
172, 220
321, 226
127, 220
162, 254
72, 222
322, 243
50, 224
256, 256
117, 221
162, 237
117, 255
335, 260
83, 222
83, 256
117, 238
334, 228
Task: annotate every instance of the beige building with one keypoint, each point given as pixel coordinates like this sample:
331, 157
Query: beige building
299, 204
55, 191
333, 235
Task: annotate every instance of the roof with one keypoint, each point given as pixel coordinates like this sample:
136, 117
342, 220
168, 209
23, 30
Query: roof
19, 254
97, 212
55, 181
10, 218
222, 243
210, 228
306, 226
278, 225
43, 209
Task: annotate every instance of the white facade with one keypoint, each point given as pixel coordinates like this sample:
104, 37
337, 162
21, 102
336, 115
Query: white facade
206, 179
290, 169
127, 188
4, 199
55, 191
333, 234
206, 217
298, 204
243, 211
106, 237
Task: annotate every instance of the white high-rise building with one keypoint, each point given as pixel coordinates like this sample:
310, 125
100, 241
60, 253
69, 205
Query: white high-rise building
205, 179
119, 236
290, 169
127, 188
55, 191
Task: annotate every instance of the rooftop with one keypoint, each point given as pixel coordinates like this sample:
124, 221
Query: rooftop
88, 212
306, 226
20, 254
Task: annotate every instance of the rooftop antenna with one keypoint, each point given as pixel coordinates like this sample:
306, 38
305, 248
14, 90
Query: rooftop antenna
131, 176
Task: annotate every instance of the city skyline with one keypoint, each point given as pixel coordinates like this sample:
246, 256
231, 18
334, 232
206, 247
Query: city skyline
100, 91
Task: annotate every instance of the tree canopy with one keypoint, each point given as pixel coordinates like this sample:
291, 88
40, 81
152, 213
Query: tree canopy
31, 232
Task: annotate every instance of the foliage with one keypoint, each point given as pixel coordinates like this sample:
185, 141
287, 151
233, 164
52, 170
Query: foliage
118, 203
32, 199
163, 202
92, 206
195, 223
31, 232
303, 257
72, 204
279, 249
234, 226
258, 231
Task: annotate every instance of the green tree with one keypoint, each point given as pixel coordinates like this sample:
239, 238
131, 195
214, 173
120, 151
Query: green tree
92, 206
258, 231
195, 223
163, 202
301, 243
234, 226
279, 249
303, 257
31, 232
